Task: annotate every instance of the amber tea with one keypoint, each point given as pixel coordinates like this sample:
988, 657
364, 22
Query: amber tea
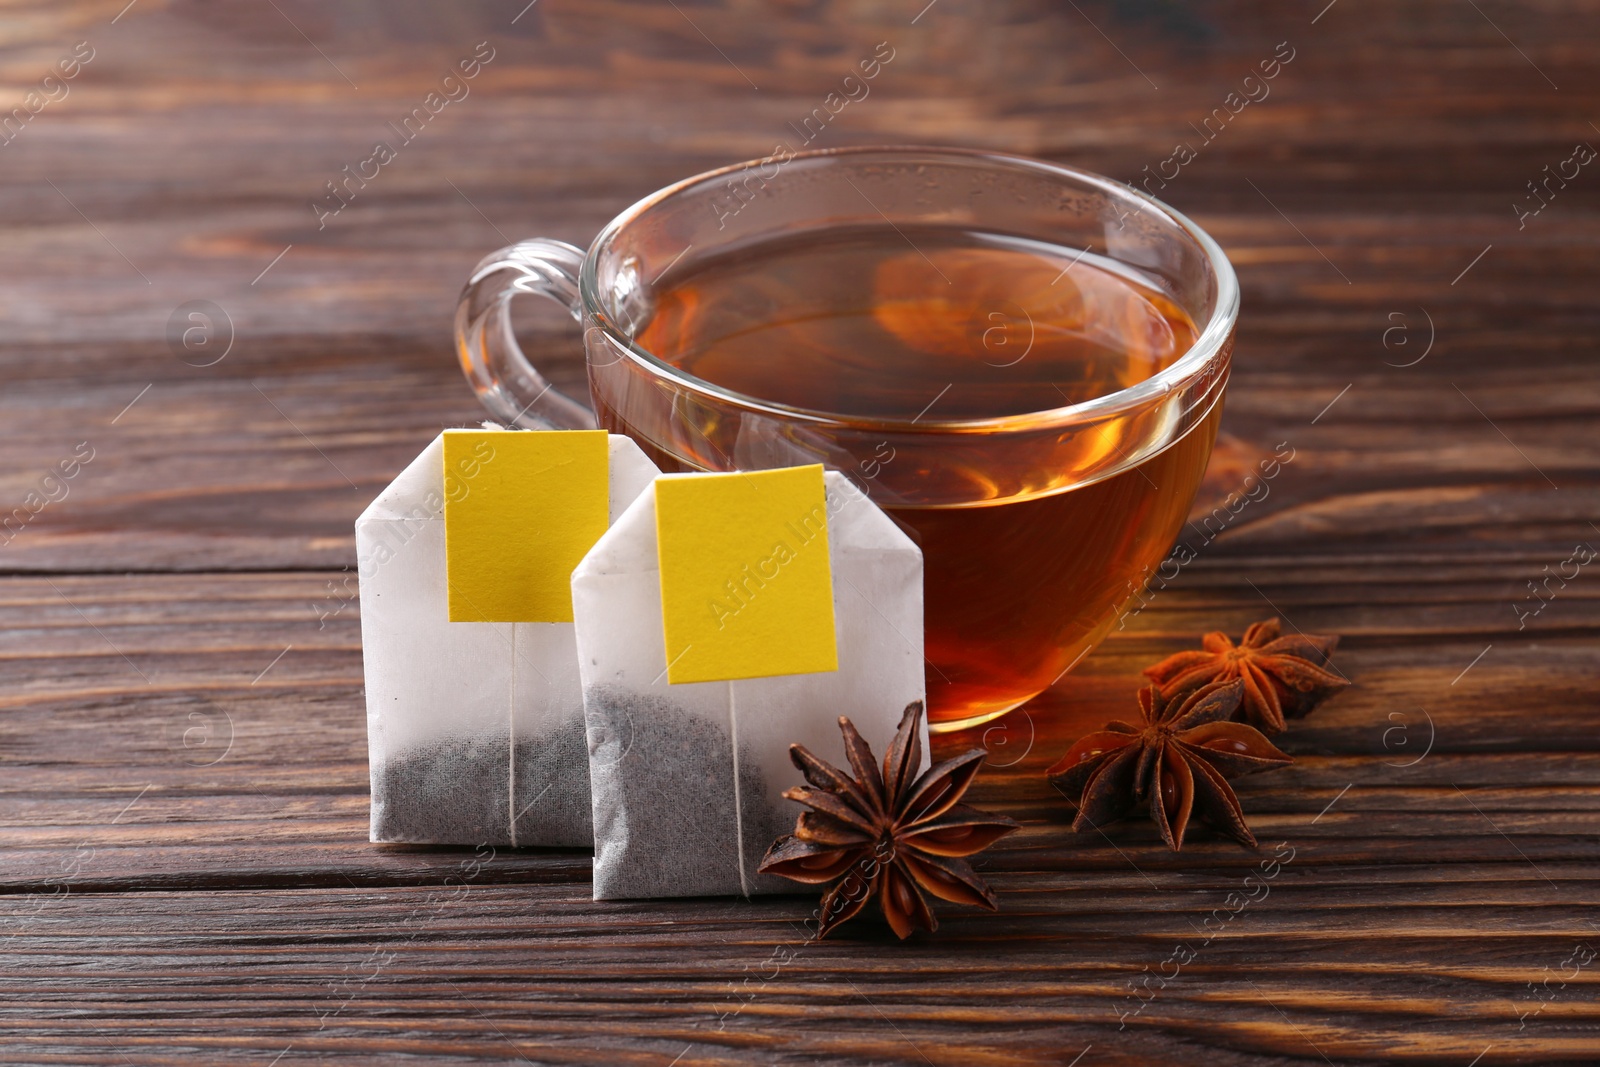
941, 324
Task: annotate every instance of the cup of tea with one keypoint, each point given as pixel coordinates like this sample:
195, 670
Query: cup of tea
1021, 362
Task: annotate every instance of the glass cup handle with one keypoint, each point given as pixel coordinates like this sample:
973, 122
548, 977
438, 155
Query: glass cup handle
515, 393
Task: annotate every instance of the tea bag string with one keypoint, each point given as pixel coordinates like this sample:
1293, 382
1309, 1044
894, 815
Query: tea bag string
738, 801
511, 733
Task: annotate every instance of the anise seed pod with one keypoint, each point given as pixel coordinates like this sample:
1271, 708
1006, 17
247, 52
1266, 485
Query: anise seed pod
1176, 762
893, 835
1282, 676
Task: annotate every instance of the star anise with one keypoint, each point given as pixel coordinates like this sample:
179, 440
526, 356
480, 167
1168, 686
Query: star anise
886, 834
1177, 761
1283, 676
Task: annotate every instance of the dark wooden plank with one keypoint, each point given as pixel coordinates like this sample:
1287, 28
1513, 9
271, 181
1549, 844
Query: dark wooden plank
267, 468
212, 727
354, 971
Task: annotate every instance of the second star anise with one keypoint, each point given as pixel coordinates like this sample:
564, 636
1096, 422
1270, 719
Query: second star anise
1282, 676
892, 835
1176, 761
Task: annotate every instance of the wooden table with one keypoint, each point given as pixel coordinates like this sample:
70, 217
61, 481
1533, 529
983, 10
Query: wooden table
185, 871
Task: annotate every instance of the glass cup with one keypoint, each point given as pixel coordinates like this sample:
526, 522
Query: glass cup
1036, 528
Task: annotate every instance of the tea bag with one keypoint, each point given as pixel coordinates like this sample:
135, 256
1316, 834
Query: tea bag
721, 619
475, 728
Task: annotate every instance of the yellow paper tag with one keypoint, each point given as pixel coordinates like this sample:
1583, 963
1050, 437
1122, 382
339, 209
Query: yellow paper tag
520, 510
746, 584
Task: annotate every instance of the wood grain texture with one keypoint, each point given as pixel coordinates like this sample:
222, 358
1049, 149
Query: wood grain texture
184, 872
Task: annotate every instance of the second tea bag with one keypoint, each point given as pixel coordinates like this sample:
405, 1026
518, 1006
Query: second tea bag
721, 619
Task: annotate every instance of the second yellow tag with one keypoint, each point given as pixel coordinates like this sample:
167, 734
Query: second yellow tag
746, 582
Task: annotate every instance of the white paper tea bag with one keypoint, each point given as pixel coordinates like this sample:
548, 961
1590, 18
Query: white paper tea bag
475, 729
785, 599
